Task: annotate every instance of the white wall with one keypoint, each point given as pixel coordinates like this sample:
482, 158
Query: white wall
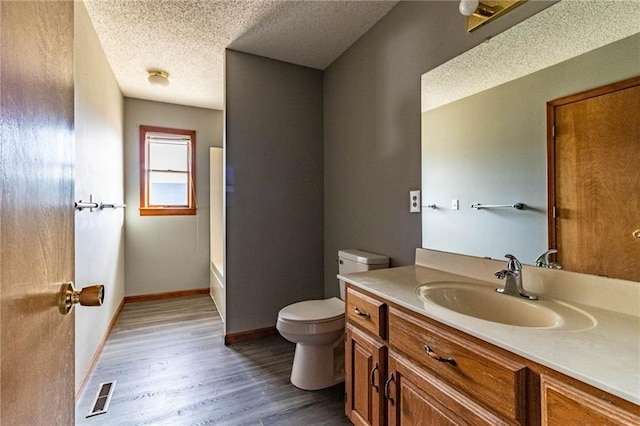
99, 235
217, 230
168, 253
216, 195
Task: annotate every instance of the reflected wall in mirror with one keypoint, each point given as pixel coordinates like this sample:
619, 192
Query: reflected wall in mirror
490, 147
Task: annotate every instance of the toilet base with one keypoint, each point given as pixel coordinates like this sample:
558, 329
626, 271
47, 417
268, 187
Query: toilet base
318, 366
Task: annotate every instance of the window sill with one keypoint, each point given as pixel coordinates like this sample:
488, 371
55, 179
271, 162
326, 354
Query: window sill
167, 211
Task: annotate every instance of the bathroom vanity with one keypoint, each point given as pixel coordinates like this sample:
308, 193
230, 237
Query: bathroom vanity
412, 359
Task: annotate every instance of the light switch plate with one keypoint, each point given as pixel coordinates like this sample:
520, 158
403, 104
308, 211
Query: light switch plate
455, 204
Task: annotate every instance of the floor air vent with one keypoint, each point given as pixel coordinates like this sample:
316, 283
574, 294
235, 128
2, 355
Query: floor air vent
103, 397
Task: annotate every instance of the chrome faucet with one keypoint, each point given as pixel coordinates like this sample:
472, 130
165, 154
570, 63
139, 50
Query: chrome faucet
543, 260
513, 279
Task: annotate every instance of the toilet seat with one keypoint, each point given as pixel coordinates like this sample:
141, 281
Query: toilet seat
313, 311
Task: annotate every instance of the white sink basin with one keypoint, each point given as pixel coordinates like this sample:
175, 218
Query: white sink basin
483, 302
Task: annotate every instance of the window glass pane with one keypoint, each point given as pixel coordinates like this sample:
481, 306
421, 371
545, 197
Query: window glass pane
168, 156
168, 189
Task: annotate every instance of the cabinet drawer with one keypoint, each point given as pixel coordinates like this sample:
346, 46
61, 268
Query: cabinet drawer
563, 404
417, 397
367, 312
497, 382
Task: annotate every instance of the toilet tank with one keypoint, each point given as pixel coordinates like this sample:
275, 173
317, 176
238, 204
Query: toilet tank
354, 260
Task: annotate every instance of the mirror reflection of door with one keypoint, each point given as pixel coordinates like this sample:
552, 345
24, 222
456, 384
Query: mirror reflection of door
594, 180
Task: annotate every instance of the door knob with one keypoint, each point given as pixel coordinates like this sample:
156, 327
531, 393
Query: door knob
636, 233
88, 296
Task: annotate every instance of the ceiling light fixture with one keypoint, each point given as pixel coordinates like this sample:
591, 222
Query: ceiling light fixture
479, 13
158, 77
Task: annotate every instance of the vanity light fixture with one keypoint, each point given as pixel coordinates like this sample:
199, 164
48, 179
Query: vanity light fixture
479, 13
474, 7
158, 77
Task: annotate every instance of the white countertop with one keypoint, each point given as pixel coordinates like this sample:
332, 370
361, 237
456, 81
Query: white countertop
606, 356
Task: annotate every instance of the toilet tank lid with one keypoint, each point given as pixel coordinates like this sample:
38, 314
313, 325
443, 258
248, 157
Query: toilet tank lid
362, 256
313, 310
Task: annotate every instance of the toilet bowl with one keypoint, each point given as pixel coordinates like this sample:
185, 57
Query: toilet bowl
317, 328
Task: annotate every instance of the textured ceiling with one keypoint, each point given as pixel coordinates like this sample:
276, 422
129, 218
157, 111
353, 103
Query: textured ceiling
563, 31
187, 38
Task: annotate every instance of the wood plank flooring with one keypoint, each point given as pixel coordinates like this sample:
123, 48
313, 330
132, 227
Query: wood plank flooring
172, 368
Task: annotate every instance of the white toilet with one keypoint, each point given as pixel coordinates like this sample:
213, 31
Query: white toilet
317, 328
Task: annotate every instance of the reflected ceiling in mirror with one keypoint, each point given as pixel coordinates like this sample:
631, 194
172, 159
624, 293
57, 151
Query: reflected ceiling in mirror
563, 31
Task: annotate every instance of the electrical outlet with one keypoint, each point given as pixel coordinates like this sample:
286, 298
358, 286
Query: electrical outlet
414, 201
455, 204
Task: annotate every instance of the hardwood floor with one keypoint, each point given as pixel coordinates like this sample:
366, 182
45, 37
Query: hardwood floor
172, 368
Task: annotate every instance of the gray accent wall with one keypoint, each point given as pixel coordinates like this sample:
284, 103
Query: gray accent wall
372, 126
167, 253
274, 204
99, 235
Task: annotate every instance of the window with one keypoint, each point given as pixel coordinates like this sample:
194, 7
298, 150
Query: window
167, 171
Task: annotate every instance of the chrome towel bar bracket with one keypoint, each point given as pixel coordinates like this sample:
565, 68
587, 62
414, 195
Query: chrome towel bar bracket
81, 205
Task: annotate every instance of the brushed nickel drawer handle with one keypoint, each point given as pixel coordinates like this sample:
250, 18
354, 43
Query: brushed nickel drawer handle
437, 357
360, 313
386, 389
372, 376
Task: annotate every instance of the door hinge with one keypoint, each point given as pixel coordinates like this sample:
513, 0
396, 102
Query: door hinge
554, 212
553, 131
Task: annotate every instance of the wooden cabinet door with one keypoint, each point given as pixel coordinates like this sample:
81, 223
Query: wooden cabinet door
365, 369
415, 398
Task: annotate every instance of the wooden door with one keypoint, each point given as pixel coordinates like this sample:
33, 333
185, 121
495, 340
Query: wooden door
594, 180
365, 370
36, 212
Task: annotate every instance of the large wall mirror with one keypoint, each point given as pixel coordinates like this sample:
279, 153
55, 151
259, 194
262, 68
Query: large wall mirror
484, 124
